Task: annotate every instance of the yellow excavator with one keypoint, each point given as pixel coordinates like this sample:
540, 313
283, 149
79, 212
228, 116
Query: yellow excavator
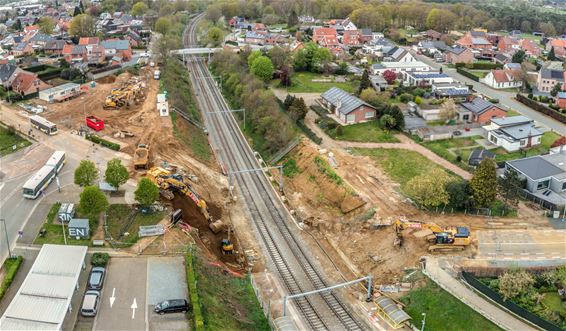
132, 90
169, 182
452, 238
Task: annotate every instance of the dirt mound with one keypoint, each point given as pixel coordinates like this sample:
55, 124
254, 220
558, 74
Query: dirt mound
106, 80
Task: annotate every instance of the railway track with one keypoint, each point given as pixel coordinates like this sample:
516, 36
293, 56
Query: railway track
325, 311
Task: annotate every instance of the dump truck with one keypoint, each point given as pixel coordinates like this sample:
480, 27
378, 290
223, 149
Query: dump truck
171, 182
141, 157
452, 238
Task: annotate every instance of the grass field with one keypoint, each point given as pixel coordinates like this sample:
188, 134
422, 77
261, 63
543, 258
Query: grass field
450, 149
479, 73
547, 139
8, 139
364, 132
443, 311
399, 164
302, 83
10, 269
118, 216
54, 230
228, 302
191, 136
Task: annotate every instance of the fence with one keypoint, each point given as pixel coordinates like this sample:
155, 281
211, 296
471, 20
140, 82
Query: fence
540, 108
511, 306
282, 152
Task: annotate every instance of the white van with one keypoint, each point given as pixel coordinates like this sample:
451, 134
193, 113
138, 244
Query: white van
156, 74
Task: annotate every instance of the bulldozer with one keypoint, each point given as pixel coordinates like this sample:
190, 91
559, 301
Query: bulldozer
452, 238
141, 157
169, 182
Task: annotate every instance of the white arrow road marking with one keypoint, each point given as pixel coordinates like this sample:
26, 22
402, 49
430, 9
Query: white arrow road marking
112, 298
134, 307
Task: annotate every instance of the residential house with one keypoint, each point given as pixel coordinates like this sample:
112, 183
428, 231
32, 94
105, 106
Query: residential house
83, 41
95, 54
54, 47
431, 46
377, 35
561, 100
255, 38
26, 83
423, 79
530, 47
7, 74
366, 35
352, 38
74, 53
480, 111
40, 40
549, 75
478, 155
22, 49
376, 46
559, 46
455, 55
346, 107
433, 35
475, 40
328, 38
503, 78
453, 90
397, 54
513, 133
259, 27
508, 44
545, 177
399, 67
118, 47
502, 58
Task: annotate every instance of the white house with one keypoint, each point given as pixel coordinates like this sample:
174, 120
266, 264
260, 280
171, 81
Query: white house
513, 133
400, 67
426, 78
397, 54
503, 78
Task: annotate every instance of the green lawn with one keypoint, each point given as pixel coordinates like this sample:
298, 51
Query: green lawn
118, 216
450, 149
479, 73
523, 36
228, 302
364, 132
10, 267
443, 311
547, 139
10, 138
192, 137
54, 230
302, 83
400, 165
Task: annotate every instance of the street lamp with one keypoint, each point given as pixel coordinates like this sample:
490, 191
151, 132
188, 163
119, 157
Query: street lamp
7, 240
423, 321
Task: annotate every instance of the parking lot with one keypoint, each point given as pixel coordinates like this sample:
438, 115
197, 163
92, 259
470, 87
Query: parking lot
135, 285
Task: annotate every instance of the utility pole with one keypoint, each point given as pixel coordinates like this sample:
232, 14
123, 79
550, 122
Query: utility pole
7, 240
423, 322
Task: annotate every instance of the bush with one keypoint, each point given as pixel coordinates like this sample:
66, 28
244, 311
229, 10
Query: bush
419, 92
530, 95
12, 266
309, 133
494, 100
99, 259
543, 99
406, 97
553, 106
418, 100
97, 140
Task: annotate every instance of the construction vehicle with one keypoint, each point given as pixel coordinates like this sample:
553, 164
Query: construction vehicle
169, 182
131, 92
452, 238
141, 157
226, 244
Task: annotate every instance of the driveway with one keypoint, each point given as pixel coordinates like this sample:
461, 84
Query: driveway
507, 99
521, 244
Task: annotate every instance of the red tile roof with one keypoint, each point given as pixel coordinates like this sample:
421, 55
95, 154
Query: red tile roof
89, 41
24, 81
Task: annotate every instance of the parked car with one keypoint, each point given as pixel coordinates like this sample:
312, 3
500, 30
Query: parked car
90, 304
96, 278
172, 306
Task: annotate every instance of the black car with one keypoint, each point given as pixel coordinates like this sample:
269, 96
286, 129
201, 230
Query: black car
96, 278
172, 306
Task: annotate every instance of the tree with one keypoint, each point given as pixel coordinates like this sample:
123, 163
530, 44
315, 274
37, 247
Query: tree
215, 35
162, 25
448, 110
253, 55
146, 193
397, 114
459, 192
518, 57
440, 19
17, 25
288, 101
389, 76
92, 201
213, 13
557, 88
484, 184
298, 109
139, 9
116, 174
387, 122
285, 76
86, 173
278, 56
365, 82
509, 187
46, 24
515, 283
429, 190
292, 20
551, 56
82, 26
547, 28
262, 68
526, 26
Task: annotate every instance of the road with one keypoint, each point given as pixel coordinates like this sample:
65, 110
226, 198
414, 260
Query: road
274, 225
521, 244
505, 98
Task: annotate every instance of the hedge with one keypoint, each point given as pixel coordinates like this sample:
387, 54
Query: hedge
479, 65
97, 140
541, 108
309, 133
12, 266
99, 259
193, 292
468, 74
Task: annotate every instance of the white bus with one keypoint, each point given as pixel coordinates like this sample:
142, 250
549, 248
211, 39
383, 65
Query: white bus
57, 161
39, 182
42, 124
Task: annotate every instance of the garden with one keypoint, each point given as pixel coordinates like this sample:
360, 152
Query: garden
10, 138
309, 82
52, 230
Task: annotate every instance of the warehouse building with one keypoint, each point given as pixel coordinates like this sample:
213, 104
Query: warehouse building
43, 300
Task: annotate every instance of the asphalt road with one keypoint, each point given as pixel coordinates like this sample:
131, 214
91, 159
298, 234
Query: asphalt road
521, 244
505, 98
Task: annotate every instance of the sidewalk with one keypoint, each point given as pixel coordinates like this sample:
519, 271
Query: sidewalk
483, 306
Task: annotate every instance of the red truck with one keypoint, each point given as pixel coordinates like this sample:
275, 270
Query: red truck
95, 123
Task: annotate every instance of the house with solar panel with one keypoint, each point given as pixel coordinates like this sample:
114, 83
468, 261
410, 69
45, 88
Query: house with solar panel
480, 111
423, 79
347, 108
